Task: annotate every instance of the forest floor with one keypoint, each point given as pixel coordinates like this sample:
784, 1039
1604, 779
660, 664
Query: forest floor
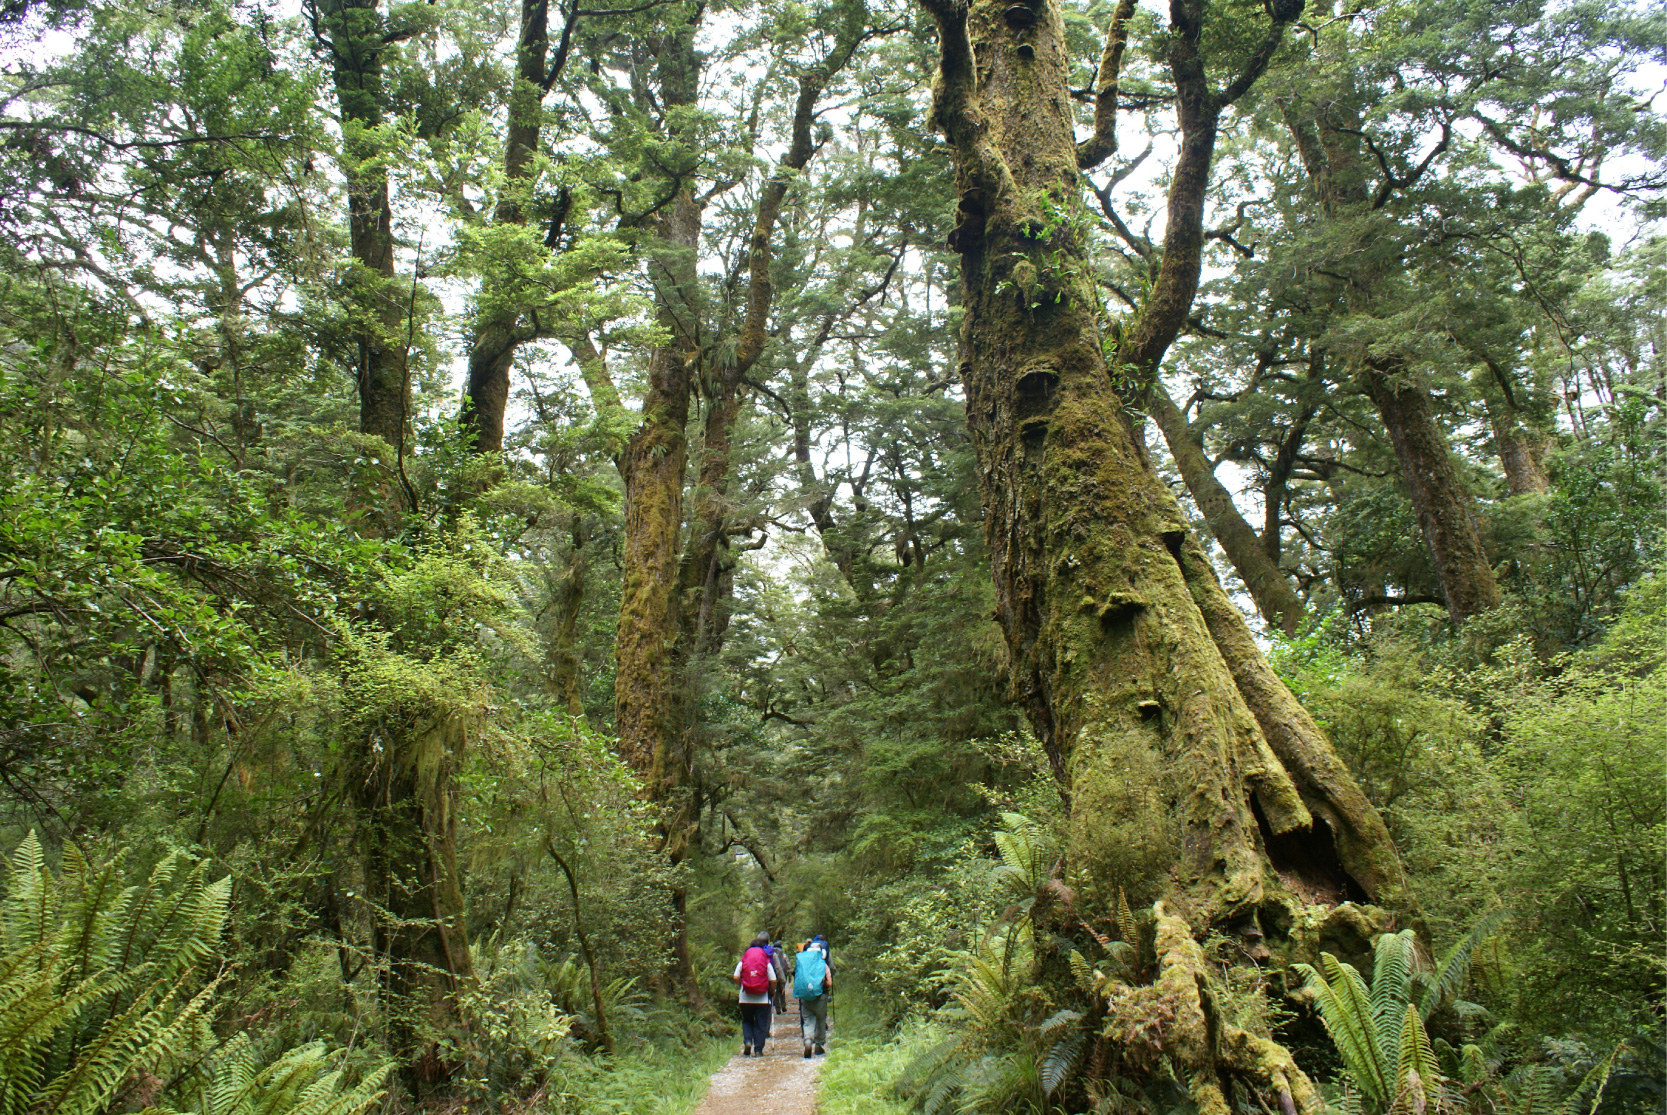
782, 1082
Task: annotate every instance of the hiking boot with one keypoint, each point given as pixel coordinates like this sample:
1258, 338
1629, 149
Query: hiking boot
807, 1052
746, 1051
820, 1051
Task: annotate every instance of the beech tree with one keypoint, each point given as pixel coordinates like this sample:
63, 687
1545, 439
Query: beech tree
1137, 673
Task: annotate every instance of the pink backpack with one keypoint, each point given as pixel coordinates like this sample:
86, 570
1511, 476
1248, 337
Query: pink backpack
755, 971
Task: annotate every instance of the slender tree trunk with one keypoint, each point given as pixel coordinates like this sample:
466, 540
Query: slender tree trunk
380, 304
1195, 781
1328, 141
569, 598
498, 331
707, 571
1438, 498
1267, 585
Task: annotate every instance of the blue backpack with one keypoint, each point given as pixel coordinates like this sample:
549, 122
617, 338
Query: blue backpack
808, 975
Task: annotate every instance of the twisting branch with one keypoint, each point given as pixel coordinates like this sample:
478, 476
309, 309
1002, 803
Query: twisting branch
1100, 146
759, 293
1198, 110
955, 103
1283, 12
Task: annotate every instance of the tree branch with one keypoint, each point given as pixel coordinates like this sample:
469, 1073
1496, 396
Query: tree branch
1100, 146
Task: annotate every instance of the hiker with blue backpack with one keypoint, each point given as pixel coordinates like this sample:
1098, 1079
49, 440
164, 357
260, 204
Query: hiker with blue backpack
812, 985
756, 975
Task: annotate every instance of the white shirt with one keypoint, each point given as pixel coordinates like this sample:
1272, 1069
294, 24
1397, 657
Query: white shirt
755, 997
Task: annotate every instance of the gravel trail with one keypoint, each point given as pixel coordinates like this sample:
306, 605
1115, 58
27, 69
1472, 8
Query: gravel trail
781, 1082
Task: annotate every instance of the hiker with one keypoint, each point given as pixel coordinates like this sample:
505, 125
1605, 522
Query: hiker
812, 984
756, 975
778, 961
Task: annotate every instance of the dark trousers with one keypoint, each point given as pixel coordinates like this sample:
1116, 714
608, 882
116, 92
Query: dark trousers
755, 1024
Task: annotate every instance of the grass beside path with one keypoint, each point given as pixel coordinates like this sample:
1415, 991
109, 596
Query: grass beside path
865, 1058
661, 1078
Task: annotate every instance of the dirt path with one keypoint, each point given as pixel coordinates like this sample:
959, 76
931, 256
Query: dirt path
781, 1082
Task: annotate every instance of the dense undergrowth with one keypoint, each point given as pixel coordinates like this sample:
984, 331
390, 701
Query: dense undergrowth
1526, 796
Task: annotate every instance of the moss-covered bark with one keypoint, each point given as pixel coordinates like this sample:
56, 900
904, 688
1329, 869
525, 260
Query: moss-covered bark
671, 607
1195, 780
562, 646
404, 787
1176, 790
1268, 586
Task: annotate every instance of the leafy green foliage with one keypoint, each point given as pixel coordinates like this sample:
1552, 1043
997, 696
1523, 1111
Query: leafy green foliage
1378, 1032
298, 1082
106, 993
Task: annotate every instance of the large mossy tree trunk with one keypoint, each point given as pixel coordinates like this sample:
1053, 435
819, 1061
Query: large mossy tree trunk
1195, 780
673, 593
647, 684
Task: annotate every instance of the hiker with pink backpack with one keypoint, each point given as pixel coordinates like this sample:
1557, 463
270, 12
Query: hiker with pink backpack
756, 973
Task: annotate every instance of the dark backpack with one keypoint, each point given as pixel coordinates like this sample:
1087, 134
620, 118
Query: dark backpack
755, 971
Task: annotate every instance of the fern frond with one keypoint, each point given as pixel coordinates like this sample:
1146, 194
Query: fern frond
1345, 1008
1393, 963
1454, 968
29, 910
1062, 1059
1126, 924
1593, 1083
1417, 1060
1057, 1019
945, 1091
921, 1069
1473, 1065
1081, 972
